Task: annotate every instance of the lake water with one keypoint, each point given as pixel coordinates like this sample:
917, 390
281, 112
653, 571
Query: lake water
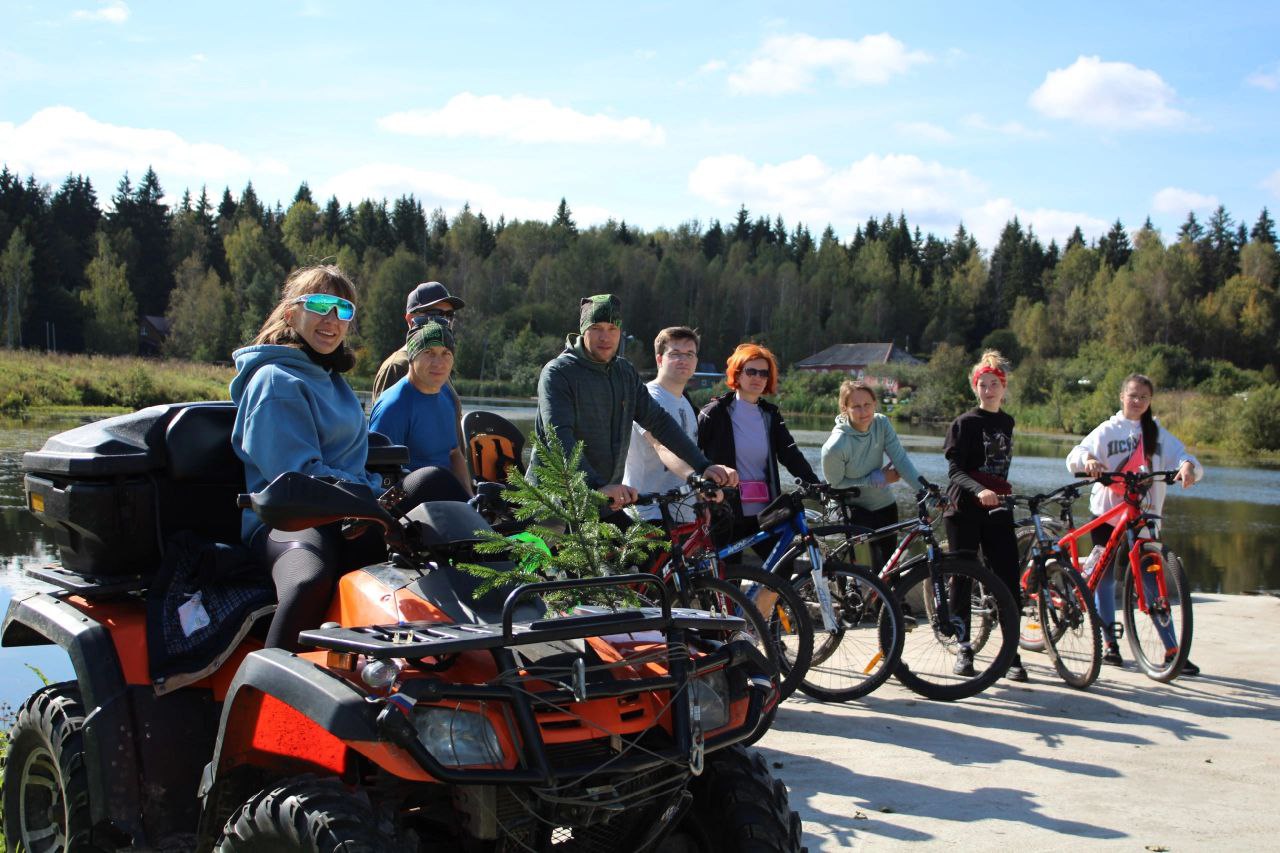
1227, 528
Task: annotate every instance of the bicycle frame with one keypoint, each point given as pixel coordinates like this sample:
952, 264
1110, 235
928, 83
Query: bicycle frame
1129, 522
917, 528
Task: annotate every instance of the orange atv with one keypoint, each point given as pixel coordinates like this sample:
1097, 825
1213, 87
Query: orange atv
426, 718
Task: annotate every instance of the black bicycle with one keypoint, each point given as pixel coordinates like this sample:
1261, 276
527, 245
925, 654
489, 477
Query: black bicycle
961, 621
1060, 617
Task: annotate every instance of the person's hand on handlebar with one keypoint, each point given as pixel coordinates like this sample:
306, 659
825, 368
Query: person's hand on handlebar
1186, 475
619, 495
721, 475
989, 499
1093, 467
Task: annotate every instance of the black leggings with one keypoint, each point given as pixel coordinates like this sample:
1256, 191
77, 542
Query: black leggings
306, 564
994, 535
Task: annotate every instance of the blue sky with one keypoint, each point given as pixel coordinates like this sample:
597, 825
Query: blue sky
661, 113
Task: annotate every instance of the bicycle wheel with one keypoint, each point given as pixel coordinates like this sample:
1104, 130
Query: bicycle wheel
1160, 638
864, 649
1030, 635
1072, 629
929, 654
790, 628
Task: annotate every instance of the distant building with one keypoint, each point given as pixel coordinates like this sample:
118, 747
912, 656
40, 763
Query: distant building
152, 331
855, 359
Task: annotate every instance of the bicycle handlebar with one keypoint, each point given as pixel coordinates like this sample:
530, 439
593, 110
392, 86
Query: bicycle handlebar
1106, 478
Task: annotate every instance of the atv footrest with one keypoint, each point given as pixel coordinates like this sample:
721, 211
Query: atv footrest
432, 639
86, 585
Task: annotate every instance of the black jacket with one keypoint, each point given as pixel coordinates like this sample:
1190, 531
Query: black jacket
715, 437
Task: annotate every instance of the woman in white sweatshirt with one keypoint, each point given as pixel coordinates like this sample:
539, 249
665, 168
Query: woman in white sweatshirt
1131, 430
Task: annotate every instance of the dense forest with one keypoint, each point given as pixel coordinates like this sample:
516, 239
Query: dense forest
76, 274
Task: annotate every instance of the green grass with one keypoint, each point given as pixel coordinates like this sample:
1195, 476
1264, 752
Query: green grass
39, 380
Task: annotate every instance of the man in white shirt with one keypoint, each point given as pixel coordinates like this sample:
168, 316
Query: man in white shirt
651, 467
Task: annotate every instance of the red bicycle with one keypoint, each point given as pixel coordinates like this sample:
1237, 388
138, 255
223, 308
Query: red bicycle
1157, 594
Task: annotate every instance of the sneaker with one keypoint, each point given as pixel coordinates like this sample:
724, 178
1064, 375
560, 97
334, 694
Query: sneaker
964, 662
1016, 671
1188, 668
1112, 655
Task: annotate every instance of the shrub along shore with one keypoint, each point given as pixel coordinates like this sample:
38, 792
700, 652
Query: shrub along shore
1244, 422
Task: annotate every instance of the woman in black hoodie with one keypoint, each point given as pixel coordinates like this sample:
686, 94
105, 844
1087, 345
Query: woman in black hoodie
746, 432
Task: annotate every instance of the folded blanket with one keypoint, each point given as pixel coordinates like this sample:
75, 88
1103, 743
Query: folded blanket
201, 603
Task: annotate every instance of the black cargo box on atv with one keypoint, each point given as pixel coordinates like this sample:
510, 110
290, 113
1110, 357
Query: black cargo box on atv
114, 491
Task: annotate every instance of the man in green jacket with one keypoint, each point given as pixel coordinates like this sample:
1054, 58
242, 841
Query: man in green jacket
589, 393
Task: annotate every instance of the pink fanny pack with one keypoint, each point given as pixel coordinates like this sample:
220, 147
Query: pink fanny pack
753, 492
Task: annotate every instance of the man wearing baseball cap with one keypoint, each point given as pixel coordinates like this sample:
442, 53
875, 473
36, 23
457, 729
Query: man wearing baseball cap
589, 393
430, 300
418, 412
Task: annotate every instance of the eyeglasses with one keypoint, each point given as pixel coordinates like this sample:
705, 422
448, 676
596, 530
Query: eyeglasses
323, 303
675, 355
422, 318
760, 372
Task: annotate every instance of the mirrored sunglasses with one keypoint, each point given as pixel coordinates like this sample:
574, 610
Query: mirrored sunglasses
323, 303
421, 318
761, 372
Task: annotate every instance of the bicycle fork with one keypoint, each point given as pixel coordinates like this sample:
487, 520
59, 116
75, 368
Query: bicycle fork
821, 590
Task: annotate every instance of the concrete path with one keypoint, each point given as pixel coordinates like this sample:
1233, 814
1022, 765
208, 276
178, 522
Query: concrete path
1128, 764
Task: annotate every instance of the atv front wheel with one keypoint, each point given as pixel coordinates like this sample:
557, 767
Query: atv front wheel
738, 807
46, 792
308, 814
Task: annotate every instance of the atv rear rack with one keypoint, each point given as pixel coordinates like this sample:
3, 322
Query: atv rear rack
414, 640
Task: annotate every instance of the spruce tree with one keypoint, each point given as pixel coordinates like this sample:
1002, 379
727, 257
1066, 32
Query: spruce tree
565, 521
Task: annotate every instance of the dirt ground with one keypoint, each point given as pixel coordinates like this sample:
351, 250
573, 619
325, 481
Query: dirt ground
1129, 764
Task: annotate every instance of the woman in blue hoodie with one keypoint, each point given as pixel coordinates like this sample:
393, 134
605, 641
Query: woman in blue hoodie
853, 456
295, 412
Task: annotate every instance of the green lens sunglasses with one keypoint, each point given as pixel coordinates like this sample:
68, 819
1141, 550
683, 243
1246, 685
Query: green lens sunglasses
323, 303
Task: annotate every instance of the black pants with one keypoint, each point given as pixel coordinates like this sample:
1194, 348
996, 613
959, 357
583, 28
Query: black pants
873, 519
306, 564
991, 534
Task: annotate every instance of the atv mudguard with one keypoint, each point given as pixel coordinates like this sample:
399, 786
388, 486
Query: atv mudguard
111, 762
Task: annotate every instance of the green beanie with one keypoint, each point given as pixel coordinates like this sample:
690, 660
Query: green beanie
428, 335
601, 308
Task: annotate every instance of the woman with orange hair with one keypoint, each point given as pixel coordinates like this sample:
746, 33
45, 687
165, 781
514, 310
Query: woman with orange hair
745, 431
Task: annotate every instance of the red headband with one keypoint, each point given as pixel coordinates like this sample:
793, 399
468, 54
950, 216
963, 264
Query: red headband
986, 368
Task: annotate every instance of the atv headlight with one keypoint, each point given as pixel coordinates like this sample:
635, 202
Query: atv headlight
457, 738
710, 699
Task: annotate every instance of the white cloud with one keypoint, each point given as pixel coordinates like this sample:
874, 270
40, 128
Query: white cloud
1272, 182
644, 54
987, 220
1265, 78
923, 130
447, 191
789, 63
520, 119
1179, 201
808, 190
1108, 94
199, 57
935, 196
110, 11
58, 141
1008, 128
711, 66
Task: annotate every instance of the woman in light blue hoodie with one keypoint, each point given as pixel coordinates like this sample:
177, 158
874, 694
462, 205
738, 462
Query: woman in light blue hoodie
295, 412
854, 456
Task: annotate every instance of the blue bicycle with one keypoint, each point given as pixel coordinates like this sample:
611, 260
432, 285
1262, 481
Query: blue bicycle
857, 626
